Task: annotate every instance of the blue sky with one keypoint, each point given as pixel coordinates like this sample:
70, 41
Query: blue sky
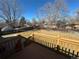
29, 7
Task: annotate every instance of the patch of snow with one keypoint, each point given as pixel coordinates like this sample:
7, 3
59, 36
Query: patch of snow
11, 35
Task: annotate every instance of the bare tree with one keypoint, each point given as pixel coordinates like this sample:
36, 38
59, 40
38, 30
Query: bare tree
53, 11
77, 15
9, 11
60, 13
61, 24
45, 12
60, 9
48, 10
22, 22
34, 22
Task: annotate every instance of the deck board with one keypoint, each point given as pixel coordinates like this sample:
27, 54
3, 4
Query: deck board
36, 51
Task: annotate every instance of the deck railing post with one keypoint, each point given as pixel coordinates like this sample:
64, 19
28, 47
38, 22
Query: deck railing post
78, 54
69, 52
9, 45
65, 50
73, 53
33, 36
58, 47
62, 49
52, 45
47, 44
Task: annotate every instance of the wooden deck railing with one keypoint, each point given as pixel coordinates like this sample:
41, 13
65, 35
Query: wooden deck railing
9, 46
69, 47
63, 47
66, 45
53, 41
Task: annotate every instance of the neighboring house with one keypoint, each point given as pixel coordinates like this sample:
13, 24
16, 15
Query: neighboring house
7, 28
26, 25
77, 25
68, 27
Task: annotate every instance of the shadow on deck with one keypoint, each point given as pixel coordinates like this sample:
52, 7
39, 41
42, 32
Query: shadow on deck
36, 51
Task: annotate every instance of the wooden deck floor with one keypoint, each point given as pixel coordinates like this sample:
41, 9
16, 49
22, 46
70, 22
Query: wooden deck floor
36, 51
